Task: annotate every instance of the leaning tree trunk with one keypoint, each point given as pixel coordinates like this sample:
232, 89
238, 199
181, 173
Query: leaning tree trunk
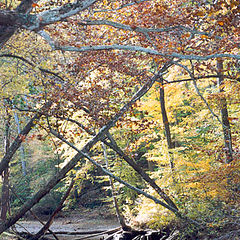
10, 20
224, 114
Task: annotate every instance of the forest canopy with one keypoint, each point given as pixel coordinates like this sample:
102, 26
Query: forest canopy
145, 91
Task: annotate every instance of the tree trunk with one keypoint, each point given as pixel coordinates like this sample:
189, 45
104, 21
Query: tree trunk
224, 114
5, 207
167, 128
11, 20
22, 152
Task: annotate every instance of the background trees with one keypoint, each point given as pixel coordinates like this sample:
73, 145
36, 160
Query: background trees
80, 73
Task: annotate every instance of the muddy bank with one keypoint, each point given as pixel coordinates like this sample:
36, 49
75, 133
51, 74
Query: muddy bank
82, 220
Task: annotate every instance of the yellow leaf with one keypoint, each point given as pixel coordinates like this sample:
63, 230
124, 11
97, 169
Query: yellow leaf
200, 13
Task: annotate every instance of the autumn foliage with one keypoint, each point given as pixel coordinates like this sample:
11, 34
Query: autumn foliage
157, 82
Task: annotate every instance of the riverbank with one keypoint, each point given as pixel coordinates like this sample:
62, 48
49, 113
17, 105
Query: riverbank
82, 221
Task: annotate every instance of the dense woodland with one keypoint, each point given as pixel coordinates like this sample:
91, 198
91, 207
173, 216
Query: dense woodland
139, 97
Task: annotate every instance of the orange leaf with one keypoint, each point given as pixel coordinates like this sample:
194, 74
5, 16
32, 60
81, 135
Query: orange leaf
35, 5
233, 119
203, 37
221, 23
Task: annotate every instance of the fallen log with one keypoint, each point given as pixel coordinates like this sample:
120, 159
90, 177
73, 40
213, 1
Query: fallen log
112, 235
90, 234
116, 234
143, 235
73, 232
112, 232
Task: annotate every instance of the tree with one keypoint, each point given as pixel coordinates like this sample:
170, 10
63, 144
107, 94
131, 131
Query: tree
224, 114
116, 41
5, 207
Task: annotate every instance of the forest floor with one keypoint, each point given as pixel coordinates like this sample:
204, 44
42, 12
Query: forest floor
83, 223
82, 220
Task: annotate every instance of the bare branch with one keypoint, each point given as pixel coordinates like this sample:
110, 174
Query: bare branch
140, 29
122, 6
146, 50
47, 37
197, 90
189, 79
205, 101
32, 64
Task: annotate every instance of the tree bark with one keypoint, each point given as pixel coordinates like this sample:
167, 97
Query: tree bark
5, 206
11, 20
167, 128
22, 152
224, 114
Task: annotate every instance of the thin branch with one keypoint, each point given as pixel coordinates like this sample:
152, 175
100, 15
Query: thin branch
205, 101
87, 130
122, 6
197, 90
31, 64
190, 79
47, 37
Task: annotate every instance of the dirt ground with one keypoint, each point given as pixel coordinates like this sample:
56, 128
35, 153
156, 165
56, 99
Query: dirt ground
82, 220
